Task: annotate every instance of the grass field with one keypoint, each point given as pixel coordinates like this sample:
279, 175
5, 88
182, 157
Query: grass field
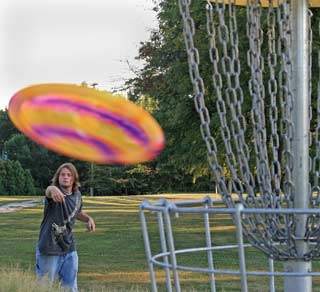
113, 258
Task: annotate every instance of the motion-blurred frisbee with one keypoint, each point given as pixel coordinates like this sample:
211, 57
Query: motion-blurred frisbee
86, 124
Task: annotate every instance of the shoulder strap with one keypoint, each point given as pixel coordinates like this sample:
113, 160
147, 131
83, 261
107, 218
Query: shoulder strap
76, 208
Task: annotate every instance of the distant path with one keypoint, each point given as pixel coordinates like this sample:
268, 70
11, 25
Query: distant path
12, 207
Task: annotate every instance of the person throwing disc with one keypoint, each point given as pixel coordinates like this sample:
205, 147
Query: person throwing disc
56, 255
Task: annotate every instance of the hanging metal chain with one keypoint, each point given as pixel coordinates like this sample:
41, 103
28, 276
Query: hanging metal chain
230, 97
232, 132
313, 221
271, 114
226, 63
273, 91
257, 91
276, 222
316, 159
286, 120
238, 122
286, 98
199, 92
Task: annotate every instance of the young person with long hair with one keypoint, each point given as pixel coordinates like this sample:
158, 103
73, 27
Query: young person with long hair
56, 255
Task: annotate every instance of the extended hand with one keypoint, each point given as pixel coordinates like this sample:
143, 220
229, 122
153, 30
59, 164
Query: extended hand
91, 225
55, 194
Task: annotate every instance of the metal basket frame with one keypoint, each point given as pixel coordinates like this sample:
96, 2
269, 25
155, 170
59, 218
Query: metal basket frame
167, 258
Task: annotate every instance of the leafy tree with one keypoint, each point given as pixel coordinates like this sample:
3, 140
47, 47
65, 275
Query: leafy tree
7, 128
3, 175
29, 189
20, 179
41, 162
14, 180
165, 78
32, 156
12, 183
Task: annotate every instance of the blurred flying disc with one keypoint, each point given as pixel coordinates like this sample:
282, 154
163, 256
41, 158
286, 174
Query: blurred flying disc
86, 124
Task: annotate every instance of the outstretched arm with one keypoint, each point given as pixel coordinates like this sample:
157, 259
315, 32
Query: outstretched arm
84, 217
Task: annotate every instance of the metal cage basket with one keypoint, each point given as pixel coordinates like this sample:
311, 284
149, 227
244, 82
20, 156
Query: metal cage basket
171, 248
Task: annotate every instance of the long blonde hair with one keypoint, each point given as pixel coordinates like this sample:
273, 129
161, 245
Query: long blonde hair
74, 172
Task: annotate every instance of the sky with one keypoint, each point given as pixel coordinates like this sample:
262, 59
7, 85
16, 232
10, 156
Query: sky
70, 41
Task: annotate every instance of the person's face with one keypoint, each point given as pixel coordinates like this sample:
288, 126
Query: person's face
65, 179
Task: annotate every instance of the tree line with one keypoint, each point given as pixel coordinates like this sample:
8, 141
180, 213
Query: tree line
27, 168
163, 87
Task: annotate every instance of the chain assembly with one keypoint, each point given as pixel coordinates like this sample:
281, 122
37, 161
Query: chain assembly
256, 149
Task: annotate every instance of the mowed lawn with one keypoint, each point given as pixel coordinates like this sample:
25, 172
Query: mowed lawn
113, 258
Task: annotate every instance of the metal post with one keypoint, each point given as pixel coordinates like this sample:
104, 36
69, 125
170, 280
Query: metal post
300, 82
148, 250
172, 249
271, 280
164, 250
242, 258
209, 245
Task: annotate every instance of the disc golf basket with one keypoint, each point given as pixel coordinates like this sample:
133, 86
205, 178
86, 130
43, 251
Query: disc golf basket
272, 150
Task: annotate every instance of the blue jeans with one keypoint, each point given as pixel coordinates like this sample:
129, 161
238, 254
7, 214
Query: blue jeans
64, 268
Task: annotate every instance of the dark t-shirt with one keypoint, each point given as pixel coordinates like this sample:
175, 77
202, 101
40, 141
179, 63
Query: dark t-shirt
58, 213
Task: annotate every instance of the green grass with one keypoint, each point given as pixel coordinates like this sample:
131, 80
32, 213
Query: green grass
113, 258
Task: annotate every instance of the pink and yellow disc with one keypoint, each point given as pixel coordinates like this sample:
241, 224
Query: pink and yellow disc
86, 124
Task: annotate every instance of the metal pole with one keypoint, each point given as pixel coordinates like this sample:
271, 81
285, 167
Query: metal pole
164, 250
172, 249
242, 258
148, 250
209, 245
271, 281
300, 81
